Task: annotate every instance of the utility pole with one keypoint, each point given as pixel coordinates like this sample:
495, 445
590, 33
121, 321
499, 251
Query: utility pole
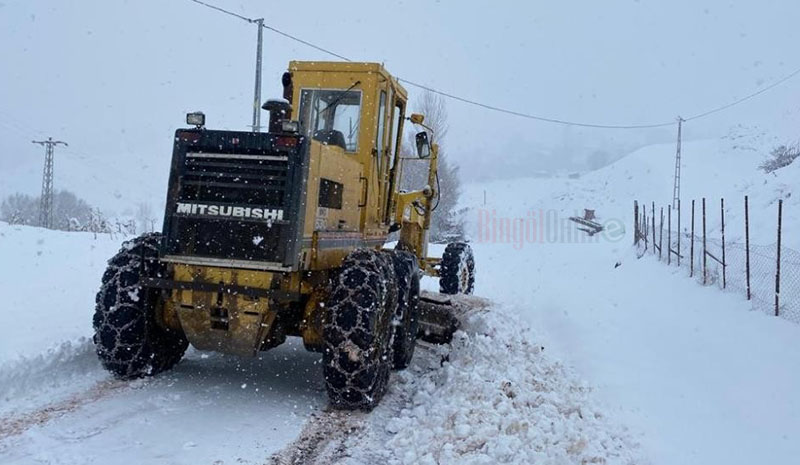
46, 201
257, 97
676, 188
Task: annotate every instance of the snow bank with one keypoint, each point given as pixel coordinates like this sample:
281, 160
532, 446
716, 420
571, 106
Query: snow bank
54, 374
48, 280
494, 396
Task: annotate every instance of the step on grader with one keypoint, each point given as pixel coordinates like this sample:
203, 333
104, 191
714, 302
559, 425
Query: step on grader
282, 233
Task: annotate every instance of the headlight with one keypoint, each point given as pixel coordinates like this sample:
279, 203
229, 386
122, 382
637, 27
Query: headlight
290, 126
196, 118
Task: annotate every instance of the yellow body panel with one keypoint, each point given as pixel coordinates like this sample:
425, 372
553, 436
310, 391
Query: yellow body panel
222, 322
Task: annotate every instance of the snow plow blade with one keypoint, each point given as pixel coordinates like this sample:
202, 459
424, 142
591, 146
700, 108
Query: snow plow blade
441, 315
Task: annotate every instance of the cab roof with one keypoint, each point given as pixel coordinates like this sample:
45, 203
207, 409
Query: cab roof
346, 67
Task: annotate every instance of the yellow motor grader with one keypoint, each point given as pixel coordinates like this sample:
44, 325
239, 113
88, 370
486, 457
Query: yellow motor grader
282, 233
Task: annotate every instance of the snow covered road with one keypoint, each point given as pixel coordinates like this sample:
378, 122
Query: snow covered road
703, 378
57, 405
493, 396
209, 409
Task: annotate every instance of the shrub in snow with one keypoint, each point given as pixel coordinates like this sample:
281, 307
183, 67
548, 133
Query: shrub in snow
780, 157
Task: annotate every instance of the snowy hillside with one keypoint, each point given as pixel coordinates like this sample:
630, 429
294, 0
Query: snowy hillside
712, 169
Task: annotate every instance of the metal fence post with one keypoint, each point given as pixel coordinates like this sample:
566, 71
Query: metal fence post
661, 235
705, 257
724, 263
635, 222
653, 212
747, 243
691, 247
778, 263
669, 235
644, 225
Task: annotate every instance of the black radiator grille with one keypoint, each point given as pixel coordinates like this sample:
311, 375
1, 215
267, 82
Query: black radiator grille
235, 179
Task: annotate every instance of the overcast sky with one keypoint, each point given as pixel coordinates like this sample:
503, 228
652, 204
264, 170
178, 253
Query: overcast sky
114, 77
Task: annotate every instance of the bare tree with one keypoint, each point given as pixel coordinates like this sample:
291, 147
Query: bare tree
19, 209
447, 223
69, 211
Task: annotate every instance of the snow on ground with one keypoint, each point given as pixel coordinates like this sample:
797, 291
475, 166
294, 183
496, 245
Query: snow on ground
209, 409
697, 374
701, 378
48, 280
493, 396
57, 404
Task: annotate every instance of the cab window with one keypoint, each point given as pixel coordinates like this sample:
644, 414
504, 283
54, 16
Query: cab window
331, 116
381, 126
399, 114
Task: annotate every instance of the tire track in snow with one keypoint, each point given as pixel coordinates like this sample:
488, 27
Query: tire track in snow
322, 439
17, 424
327, 438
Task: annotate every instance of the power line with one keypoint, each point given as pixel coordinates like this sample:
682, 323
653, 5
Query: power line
513, 112
297, 39
748, 97
273, 29
534, 117
223, 10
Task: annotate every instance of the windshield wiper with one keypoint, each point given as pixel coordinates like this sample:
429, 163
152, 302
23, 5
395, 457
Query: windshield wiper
339, 97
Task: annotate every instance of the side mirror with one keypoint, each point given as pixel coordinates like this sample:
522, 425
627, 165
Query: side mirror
423, 145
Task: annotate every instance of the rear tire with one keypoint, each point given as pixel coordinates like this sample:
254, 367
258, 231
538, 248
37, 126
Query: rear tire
457, 272
357, 330
406, 321
128, 340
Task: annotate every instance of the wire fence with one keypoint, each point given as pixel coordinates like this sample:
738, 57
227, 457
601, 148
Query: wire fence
768, 275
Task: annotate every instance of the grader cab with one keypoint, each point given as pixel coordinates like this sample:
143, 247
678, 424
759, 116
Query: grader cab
283, 233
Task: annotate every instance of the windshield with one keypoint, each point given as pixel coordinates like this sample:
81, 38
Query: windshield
331, 116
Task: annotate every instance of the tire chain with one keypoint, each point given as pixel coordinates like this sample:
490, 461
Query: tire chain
457, 256
358, 336
405, 328
128, 341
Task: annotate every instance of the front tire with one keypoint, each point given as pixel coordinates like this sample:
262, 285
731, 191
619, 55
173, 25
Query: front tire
406, 320
457, 272
357, 330
128, 340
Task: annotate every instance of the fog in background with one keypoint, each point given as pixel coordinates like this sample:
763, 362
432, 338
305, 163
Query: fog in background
114, 78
